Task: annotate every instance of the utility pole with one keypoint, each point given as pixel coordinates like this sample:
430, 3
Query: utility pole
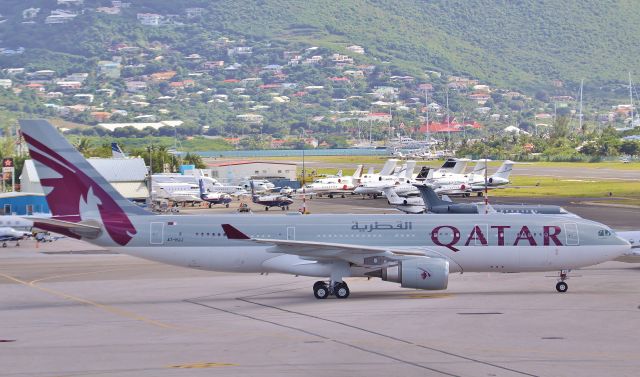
580, 113
304, 173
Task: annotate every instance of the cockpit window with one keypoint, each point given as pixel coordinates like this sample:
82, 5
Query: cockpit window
604, 233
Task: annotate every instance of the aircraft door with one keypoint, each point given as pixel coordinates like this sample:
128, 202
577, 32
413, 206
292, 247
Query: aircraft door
571, 231
291, 233
156, 233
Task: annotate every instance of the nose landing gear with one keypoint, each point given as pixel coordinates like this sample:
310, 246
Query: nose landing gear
562, 287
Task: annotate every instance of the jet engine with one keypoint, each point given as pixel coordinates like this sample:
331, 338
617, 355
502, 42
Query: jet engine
419, 273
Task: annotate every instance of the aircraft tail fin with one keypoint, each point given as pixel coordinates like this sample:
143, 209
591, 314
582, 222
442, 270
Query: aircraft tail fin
389, 166
430, 197
74, 189
392, 196
116, 151
505, 170
201, 187
481, 166
339, 174
370, 171
460, 166
358, 172
411, 166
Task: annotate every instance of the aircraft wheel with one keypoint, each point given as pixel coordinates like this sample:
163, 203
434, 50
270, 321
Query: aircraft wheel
480, 193
562, 287
330, 196
341, 290
266, 208
343, 196
4, 244
209, 205
227, 205
283, 208
320, 290
287, 208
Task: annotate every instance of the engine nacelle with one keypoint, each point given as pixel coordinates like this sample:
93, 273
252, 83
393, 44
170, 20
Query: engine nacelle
420, 273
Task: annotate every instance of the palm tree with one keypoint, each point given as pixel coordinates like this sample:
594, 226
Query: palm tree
84, 146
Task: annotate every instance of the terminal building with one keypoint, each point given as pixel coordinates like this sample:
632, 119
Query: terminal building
127, 175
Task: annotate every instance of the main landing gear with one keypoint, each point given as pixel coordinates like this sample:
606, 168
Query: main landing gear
562, 286
322, 290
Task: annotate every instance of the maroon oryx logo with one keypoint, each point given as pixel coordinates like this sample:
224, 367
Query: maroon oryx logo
424, 274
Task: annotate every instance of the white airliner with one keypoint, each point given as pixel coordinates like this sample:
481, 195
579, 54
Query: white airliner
417, 252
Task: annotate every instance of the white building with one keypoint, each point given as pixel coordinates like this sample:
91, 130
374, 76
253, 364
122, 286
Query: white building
149, 19
235, 171
126, 175
141, 126
5, 83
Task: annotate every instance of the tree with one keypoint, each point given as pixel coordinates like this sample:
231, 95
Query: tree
194, 159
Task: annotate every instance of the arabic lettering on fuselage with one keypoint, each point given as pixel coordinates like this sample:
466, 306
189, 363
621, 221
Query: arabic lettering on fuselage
370, 227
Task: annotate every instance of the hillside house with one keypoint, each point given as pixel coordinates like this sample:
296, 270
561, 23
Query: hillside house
356, 49
149, 19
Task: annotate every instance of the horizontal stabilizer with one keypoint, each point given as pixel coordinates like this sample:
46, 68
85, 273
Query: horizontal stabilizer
80, 229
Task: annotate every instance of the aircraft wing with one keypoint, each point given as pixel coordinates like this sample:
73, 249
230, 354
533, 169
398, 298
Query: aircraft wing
358, 254
9, 238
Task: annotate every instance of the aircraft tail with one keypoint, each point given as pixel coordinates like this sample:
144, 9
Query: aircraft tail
392, 196
370, 171
481, 166
116, 151
202, 190
411, 166
74, 190
358, 172
460, 166
505, 170
389, 166
339, 174
430, 197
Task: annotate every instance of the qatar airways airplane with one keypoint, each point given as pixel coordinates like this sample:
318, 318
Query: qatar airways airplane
415, 251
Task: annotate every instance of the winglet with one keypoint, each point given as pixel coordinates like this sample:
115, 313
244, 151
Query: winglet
233, 233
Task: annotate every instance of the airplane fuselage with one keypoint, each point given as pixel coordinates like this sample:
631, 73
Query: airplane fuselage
472, 243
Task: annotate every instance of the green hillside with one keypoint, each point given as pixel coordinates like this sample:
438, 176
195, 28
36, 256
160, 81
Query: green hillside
520, 43
504, 42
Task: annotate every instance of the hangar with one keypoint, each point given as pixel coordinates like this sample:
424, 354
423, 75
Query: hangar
127, 175
235, 171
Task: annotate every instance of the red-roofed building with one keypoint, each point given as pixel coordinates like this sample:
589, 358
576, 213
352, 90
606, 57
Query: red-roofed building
339, 79
270, 86
435, 127
231, 81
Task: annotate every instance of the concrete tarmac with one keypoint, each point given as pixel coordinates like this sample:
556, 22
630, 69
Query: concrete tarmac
68, 313
68, 308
